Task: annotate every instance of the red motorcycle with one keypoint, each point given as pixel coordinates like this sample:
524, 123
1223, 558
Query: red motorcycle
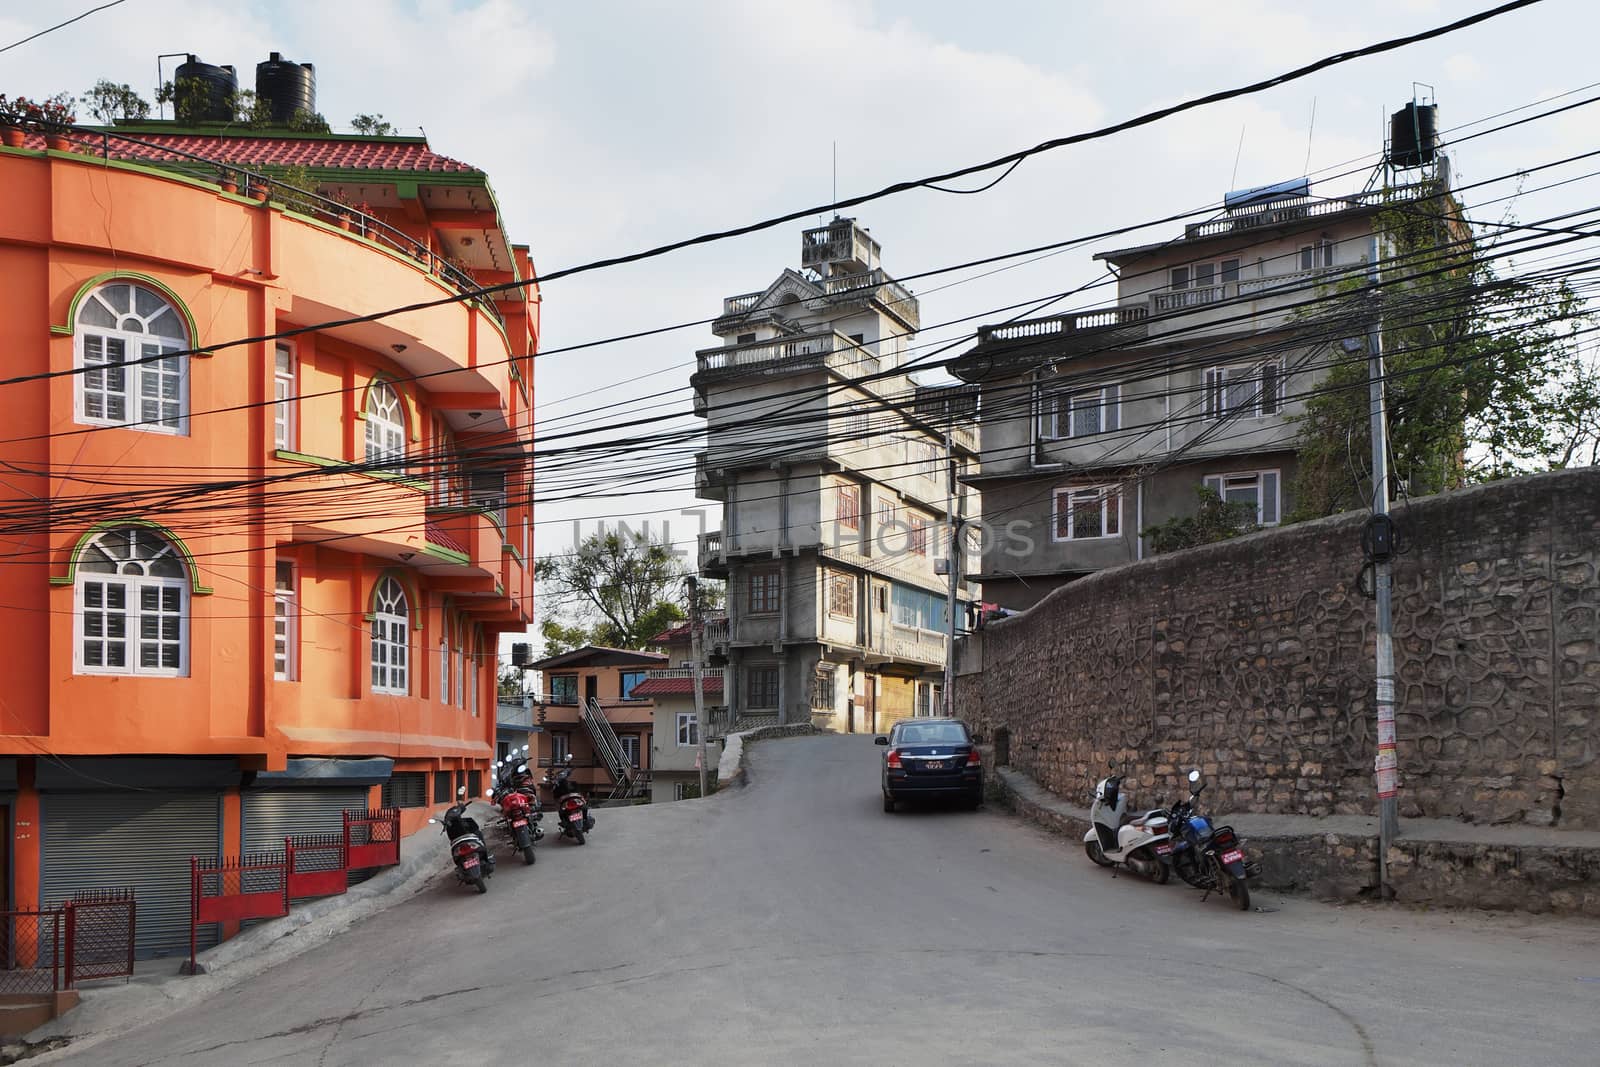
518, 800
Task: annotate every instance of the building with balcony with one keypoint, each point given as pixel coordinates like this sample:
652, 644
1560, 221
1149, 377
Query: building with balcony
589, 710
261, 535
1101, 424
675, 750
833, 471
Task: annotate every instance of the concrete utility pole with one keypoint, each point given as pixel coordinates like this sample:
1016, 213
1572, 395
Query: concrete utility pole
699, 690
1380, 547
952, 561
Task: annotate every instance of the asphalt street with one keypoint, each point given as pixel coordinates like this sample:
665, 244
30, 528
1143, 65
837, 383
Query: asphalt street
793, 921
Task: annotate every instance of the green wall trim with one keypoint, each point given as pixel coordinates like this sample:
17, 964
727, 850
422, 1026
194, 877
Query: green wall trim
110, 524
135, 277
448, 554
419, 484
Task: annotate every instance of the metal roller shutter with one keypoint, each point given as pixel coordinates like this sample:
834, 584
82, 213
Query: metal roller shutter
272, 815
144, 840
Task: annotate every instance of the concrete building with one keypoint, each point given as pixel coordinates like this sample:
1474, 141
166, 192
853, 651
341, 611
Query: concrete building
1100, 424
833, 485
589, 710
675, 751
248, 586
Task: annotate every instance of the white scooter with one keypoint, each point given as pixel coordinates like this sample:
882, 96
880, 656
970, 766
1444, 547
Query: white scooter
1142, 845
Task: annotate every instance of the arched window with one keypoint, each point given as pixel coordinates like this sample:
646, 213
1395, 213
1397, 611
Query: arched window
390, 638
119, 325
132, 605
386, 428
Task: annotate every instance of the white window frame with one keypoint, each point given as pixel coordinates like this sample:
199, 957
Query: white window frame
1317, 256
1106, 402
134, 332
472, 683
842, 587
560, 747
688, 729
386, 428
132, 579
1110, 500
1264, 380
1218, 272
847, 518
1268, 489
285, 392
444, 670
460, 672
390, 638
631, 751
286, 621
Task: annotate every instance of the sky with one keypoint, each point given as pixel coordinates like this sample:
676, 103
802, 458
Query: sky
607, 128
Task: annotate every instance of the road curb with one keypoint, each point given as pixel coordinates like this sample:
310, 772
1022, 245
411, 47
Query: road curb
731, 769
109, 1010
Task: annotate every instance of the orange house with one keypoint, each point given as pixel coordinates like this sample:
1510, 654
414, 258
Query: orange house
589, 712
259, 541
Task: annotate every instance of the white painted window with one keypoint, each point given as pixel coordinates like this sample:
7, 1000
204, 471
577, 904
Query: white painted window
1082, 413
460, 673
560, 747
390, 639
121, 332
688, 729
283, 395
1083, 512
444, 671
630, 748
386, 428
1317, 255
132, 605
285, 621
1257, 488
1253, 391
472, 683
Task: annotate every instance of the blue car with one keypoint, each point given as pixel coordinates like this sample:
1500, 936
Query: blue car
931, 759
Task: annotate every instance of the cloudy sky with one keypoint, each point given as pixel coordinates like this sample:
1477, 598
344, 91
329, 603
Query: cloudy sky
608, 127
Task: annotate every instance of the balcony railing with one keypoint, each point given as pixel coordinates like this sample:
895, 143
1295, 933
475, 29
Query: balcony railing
716, 633
826, 348
877, 285
110, 145
1100, 319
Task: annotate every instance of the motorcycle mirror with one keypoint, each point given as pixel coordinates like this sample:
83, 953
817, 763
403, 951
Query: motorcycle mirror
489, 793
461, 791
433, 822
524, 748
1194, 776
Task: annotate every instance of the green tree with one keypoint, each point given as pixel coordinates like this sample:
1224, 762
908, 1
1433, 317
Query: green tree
510, 682
108, 102
1483, 373
372, 125
616, 588
1214, 519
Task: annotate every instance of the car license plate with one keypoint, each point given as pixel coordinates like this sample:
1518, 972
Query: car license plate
1233, 855
470, 863
933, 765
1163, 849
519, 823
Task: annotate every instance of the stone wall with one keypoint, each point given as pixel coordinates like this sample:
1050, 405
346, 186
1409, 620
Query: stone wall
1253, 660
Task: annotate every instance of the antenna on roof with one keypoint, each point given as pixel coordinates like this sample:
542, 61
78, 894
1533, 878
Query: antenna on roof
1233, 181
1309, 132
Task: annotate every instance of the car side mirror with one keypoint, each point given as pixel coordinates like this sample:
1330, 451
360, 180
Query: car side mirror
880, 740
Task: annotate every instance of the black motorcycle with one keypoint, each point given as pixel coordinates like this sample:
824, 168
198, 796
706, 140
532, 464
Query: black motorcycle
572, 808
474, 863
1209, 857
517, 797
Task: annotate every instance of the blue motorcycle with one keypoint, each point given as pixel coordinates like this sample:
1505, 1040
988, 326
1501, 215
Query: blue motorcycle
1209, 857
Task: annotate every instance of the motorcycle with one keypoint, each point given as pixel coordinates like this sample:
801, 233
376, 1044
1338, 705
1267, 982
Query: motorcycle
474, 863
572, 810
1209, 857
1141, 845
518, 802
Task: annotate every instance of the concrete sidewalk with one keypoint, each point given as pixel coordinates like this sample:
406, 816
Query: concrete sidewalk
158, 989
1434, 863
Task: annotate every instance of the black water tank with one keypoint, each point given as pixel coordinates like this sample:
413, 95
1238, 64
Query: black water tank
286, 87
1413, 135
204, 93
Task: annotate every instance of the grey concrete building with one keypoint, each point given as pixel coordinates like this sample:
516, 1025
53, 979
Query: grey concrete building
833, 474
1100, 424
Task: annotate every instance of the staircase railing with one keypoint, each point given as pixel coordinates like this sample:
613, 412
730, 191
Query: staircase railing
606, 743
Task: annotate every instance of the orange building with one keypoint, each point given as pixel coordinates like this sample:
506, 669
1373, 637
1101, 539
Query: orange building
589, 712
249, 579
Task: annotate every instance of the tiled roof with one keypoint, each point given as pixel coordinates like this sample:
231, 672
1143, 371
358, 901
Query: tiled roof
679, 631
438, 536
663, 687
354, 153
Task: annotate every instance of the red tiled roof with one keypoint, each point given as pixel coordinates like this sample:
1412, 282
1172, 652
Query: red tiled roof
437, 535
348, 154
679, 631
710, 682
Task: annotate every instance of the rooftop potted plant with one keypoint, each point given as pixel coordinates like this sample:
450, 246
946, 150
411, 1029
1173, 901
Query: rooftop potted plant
11, 131
53, 117
227, 181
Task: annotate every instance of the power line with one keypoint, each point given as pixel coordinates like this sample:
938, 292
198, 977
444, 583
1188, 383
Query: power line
60, 25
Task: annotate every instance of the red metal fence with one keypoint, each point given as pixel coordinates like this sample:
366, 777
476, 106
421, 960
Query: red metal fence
50, 949
259, 885
372, 838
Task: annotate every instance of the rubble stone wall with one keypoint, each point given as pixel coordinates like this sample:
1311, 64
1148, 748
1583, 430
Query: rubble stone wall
1253, 660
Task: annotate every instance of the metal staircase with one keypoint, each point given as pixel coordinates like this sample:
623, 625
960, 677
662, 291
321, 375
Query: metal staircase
609, 748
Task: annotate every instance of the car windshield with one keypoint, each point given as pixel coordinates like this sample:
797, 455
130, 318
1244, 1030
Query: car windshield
933, 733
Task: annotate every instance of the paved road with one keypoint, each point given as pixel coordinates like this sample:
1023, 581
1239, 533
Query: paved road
793, 922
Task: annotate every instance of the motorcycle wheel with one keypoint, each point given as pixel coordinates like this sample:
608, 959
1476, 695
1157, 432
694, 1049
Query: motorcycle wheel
588, 822
478, 884
527, 855
1092, 847
1238, 892
1163, 872
577, 834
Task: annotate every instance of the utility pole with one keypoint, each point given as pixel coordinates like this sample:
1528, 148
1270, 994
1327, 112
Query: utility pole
699, 691
1379, 546
952, 562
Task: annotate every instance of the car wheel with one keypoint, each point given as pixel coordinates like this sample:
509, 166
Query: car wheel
888, 803
974, 802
